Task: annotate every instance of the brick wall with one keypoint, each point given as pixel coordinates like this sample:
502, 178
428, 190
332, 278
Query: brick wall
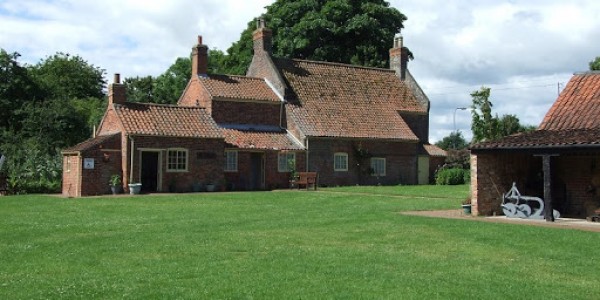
574, 181
110, 123
247, 113
71, 176
401, 162
273, 179
205, 161
195, 95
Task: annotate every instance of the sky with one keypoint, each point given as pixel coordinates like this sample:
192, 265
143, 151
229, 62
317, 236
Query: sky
524, 50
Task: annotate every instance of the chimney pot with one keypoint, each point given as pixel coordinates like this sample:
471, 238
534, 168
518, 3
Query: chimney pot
117, 78
199, 40
199, 59
116, 91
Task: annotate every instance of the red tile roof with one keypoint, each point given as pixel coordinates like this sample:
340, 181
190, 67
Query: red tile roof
433, 150
112, 141
167, 120
545, 139
573, 121
339, 100
239, 88
261, 140
578, 106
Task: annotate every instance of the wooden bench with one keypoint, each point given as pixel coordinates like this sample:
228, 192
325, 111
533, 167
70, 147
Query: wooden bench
307, 178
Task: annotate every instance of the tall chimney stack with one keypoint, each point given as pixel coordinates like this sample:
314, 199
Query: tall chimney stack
262, 37
117, 93
199, 59
399, 57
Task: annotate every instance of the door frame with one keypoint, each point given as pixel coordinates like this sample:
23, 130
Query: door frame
421, 171
159, 169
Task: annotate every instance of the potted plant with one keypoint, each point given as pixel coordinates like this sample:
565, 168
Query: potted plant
115, 184
466, 206
135, 188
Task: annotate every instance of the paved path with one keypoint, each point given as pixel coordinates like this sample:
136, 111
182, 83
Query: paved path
578, 224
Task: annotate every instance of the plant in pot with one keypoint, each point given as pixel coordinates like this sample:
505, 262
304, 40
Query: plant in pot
115, 184
466, 206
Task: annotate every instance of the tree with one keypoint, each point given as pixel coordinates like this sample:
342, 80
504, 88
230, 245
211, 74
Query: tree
484, 125
16, 87
453, 141
64, 76
169, 86
140, 89
487, 127
354, 32
595, 64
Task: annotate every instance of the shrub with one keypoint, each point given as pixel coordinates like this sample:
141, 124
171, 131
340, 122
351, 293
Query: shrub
452, 176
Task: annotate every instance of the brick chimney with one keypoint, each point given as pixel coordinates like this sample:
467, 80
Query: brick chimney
117, 93
199, 59
262, 37
399, 57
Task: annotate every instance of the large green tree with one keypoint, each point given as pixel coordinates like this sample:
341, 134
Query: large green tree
44, 108
66, 76
346, 31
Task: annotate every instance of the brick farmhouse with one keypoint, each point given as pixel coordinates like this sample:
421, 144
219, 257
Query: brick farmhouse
568, 139
351, 124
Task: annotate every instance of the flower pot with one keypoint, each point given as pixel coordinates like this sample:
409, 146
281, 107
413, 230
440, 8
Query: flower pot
115, 189
467, 208
210, 187
135, 188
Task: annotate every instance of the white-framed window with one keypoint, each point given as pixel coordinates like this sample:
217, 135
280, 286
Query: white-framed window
231, 161
287, 161
177, 160
378, 166
340, 161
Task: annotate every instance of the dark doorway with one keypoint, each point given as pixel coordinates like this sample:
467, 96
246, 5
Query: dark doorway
149, 171
256, 171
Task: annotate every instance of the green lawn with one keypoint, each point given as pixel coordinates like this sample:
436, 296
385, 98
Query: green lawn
344, 243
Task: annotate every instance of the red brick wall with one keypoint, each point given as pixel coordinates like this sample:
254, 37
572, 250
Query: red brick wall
247, 113
97, 181
71, 176
241, 180
401, 162
195, 95
200, 169
573, 181
110, 123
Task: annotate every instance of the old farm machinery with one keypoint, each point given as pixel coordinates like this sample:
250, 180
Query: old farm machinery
514, 205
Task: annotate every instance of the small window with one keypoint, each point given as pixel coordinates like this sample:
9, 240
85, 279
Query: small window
177, 160
287, 162
340, 161
231, 161
378, 166
68, 163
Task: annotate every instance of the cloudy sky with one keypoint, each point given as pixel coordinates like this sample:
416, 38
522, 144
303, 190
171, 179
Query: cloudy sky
525, 50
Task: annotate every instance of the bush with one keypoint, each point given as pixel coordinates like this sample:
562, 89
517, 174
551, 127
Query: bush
452, 176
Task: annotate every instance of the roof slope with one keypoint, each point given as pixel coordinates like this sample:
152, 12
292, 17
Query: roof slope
540, 139
167, 120
578, 106
339, 100
266, 140
111, 141
239, 88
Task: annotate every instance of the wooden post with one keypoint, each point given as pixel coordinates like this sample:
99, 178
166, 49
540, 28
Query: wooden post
548, 215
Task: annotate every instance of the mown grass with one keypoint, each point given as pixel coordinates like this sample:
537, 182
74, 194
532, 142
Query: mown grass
335, 244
